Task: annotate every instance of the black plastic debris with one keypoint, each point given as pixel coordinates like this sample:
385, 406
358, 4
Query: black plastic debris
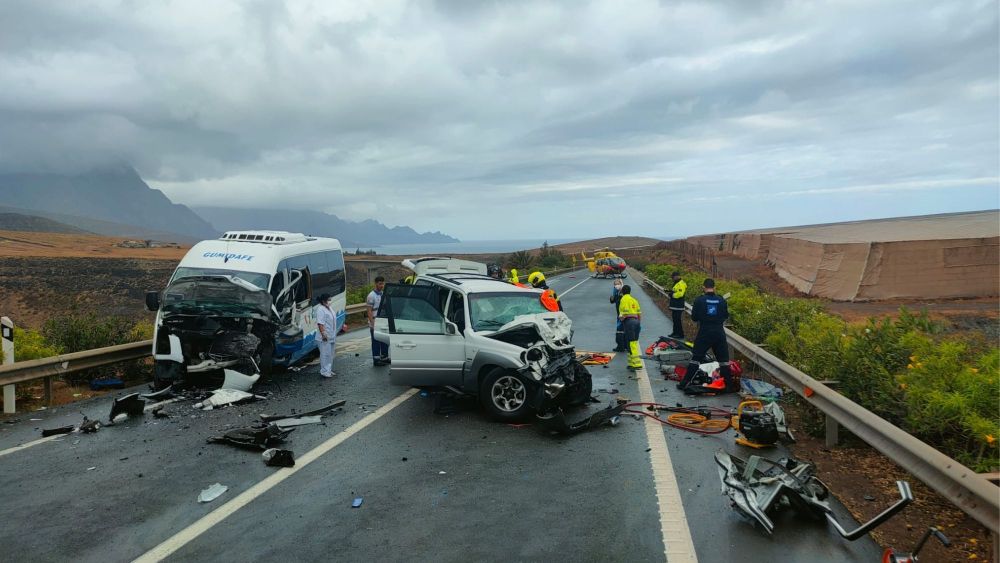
158, 412
319, 411
56, 431
278, 458
555, 421
129, 405
254, 438
89, 426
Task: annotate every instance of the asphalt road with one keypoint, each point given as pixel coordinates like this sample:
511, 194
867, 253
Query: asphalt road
434, 487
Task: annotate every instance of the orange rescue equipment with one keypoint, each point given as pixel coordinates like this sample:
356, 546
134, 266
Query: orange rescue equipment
549, 301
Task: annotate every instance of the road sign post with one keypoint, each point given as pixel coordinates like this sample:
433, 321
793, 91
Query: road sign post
7, 332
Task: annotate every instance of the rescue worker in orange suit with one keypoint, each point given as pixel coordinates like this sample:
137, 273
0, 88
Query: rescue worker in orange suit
710, 311
631, 317
537, 281
677, 293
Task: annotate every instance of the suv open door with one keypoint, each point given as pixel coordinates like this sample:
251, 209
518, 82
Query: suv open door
426, 349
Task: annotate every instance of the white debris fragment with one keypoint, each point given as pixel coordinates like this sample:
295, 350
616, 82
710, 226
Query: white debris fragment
212, 492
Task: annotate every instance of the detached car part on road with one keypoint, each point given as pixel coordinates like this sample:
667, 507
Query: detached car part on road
457, 328
758, 487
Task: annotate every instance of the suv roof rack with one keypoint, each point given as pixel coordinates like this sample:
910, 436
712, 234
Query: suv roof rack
266, 237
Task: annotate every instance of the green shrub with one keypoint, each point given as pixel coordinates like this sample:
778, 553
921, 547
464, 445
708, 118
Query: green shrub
30, 345
905, 370
357, 295
75, 332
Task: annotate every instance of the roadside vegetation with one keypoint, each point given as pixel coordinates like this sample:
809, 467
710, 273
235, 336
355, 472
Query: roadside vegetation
938, 384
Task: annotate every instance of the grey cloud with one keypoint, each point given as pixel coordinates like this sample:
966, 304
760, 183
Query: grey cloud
426, 110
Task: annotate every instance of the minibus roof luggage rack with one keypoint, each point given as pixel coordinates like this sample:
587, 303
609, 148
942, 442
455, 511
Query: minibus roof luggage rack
266, 237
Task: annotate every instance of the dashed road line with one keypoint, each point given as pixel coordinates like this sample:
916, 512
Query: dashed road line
205, 523
677, 543
32, 443
574, 287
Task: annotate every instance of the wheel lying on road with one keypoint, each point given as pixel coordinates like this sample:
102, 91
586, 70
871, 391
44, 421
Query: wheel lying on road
504, 395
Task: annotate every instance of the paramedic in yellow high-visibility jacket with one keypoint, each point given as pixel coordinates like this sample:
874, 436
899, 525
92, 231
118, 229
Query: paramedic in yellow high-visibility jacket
630, 315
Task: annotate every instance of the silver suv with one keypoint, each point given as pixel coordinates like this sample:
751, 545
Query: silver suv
457, 328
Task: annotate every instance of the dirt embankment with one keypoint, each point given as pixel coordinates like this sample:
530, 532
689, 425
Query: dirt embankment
34, 289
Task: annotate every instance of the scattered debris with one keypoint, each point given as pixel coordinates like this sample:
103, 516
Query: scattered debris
239, 381
442, 472
89, 426
357, 502
298, 421
91, 468
56, 431
760, 389
213, 492
129, 405
319, 411
223, 397
260, 438
158, 412
788, 482
274, 457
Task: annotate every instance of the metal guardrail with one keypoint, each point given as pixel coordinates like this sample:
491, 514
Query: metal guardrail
64, 364
969, 491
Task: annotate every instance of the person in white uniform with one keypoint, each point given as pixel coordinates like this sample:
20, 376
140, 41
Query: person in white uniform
326, 321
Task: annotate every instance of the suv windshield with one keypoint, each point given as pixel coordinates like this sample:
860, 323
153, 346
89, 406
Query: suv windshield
490, 311
259, 280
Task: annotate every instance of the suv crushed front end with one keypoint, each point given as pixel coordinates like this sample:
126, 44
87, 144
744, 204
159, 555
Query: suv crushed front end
555, 378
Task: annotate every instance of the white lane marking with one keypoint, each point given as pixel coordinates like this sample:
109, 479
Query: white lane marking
27, 445
202, 525
572, 288
677, 543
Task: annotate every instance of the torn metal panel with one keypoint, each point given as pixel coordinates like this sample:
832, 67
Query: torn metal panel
297, 421
223, 397
758, 487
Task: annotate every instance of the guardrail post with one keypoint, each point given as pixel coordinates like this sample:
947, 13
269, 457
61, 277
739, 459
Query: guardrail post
48, 391
7, 332
832, 426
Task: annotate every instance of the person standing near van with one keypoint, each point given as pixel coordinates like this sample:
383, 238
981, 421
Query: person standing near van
326, 322
616, 297
380, 350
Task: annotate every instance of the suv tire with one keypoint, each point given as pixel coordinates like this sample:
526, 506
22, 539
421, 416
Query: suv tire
504, 395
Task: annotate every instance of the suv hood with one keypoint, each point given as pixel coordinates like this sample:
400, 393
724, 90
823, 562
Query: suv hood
554, 328
220, 295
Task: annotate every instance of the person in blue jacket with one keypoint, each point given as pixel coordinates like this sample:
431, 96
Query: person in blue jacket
710, 311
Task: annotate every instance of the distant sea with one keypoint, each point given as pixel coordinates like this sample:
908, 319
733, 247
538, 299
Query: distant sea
464, 247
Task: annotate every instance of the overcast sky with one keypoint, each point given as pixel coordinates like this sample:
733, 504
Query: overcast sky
518, 119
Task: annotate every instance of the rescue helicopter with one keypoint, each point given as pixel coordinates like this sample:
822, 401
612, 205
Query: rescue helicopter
605, 264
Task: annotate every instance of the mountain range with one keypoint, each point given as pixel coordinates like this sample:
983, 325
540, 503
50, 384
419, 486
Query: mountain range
115, 201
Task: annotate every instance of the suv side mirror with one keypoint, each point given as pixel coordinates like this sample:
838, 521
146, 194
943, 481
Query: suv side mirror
450, 328
153, 301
